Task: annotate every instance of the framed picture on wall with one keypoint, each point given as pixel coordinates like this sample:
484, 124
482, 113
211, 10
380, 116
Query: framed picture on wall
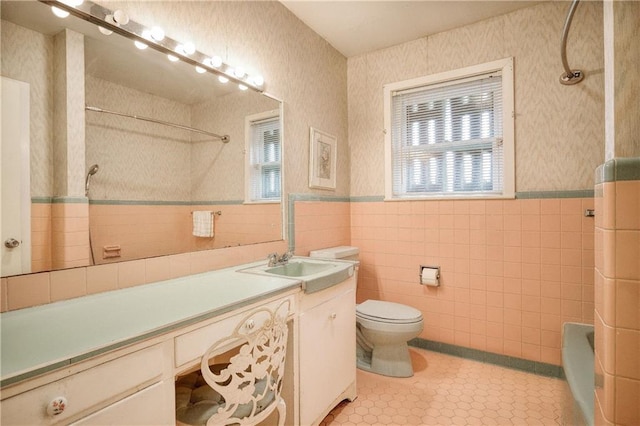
322, 160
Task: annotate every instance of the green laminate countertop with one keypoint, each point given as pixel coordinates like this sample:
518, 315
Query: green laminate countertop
44, 338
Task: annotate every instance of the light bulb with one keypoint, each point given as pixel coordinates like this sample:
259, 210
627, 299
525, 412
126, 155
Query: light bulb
157, 33
200, 70
258, 80
216, 61
172, 58
239, 72
242, 87
105, 31
73, 3
223, 79
189, 48
59, 12
140, 45
120, 17
186, 49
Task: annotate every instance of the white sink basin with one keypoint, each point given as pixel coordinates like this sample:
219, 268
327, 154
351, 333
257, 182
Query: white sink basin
315, 275
299, 269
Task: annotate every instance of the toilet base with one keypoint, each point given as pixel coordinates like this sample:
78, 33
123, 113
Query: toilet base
387, 360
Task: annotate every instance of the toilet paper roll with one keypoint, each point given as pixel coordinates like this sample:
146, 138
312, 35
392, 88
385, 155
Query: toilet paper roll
430, 276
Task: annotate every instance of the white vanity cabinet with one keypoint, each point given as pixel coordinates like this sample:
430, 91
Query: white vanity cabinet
327, 350
123, 388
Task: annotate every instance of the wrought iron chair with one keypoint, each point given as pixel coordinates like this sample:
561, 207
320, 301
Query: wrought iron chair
246, 390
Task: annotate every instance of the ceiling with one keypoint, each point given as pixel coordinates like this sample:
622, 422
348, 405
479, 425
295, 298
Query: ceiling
356, 27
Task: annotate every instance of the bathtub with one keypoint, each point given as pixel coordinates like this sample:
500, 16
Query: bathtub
578, 364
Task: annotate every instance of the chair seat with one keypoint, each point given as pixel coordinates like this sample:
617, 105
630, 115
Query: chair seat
196, 401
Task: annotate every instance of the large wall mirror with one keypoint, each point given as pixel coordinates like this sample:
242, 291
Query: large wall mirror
103, 187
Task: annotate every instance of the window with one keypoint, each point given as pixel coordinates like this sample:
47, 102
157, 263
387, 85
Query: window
450, 135
263, 153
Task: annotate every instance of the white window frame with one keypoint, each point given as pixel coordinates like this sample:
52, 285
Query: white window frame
248, 176
505, 66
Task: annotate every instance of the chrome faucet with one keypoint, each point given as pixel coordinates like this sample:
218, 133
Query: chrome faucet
274, 260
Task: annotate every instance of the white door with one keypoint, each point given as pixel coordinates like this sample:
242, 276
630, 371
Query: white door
15, 227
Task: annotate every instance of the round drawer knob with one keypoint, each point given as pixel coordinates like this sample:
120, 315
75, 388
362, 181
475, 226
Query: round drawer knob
333, 315
57, 406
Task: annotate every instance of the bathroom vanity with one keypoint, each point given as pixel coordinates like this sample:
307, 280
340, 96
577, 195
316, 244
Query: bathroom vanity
113, 358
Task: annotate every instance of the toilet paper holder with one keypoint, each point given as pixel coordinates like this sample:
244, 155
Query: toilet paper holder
429, 275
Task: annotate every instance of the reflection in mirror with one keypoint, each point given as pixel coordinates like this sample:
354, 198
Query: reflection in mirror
107, 188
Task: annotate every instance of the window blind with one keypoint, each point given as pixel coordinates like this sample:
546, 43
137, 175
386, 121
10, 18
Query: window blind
446, 138
265, 159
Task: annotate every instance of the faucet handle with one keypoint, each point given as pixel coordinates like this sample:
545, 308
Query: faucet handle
286, 256
272, 258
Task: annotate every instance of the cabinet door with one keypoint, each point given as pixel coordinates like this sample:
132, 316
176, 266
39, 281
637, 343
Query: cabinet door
327, 354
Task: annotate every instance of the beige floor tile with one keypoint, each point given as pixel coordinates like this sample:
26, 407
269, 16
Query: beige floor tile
447, 390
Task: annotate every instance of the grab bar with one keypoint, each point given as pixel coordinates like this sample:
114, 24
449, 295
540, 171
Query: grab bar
569, 76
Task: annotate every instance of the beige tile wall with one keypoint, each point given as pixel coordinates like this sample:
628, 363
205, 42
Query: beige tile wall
156, 230
24, 291
617, 307
512, 271
321, 224
69, 235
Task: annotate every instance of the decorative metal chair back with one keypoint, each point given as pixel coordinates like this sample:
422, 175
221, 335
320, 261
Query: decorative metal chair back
247, 389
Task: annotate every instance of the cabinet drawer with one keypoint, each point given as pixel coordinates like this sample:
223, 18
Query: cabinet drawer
191, 346
151, 406
86, 391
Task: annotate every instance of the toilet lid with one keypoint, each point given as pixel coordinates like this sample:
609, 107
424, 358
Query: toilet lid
378, 310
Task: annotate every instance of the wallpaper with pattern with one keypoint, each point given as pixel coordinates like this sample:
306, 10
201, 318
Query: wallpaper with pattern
298, 66
559, 129
68, 115
28, 56
217, 169
626, 24
138, 160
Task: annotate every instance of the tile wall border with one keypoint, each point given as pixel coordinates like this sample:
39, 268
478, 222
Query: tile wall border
534, 367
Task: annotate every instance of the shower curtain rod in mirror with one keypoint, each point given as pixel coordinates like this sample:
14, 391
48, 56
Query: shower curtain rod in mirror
223, 138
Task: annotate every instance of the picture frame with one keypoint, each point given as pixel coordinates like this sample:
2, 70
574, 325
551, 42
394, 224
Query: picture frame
322, 160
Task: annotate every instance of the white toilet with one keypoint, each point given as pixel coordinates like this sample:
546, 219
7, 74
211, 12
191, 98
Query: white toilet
382, 328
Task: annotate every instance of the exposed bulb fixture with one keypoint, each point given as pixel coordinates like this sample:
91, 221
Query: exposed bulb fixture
154, 37
157, 33
239, 72
59, 12
186, 49
109, 19
258, 80
120, 17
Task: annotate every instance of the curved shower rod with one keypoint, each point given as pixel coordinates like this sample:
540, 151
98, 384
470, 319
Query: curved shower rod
569, 76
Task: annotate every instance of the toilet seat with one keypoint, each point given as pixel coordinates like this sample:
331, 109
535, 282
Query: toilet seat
387, 312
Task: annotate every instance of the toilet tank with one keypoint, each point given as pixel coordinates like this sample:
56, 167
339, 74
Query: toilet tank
340, 252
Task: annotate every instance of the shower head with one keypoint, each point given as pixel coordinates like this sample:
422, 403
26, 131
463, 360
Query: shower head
92, 171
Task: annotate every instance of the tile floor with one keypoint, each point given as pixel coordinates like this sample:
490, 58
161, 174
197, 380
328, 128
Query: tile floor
447, 390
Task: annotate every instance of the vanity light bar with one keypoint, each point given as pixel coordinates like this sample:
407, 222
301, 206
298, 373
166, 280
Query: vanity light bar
96, 14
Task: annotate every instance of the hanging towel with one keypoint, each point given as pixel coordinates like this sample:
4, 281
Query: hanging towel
203, 224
